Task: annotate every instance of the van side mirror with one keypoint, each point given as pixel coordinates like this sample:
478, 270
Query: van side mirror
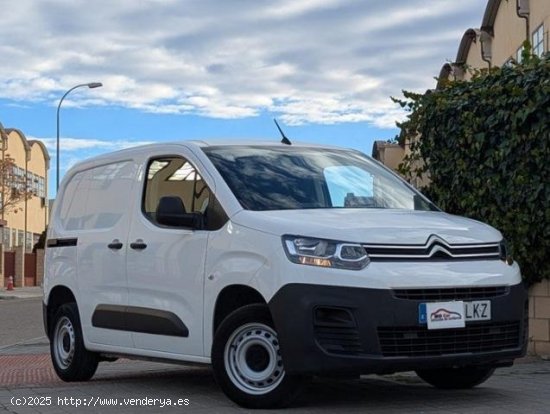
171, 212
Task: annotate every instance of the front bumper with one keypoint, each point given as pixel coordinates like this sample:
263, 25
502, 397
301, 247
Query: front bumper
333, 329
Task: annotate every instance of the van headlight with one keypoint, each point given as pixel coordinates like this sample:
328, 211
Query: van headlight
325, 253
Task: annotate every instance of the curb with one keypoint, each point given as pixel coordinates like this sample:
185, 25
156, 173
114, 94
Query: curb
4, 295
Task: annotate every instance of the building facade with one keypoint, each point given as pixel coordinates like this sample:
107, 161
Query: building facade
506, 25
24, 226
388, 153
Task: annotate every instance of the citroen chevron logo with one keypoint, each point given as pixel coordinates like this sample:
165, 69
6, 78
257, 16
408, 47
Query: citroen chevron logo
435, 245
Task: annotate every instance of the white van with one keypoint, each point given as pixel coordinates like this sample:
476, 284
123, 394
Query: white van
273, 263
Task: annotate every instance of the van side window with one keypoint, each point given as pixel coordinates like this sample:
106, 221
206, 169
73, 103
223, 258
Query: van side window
96, 199
72, 212
177, 178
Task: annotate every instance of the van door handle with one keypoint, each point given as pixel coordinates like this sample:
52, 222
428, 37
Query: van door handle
115, 245
138, 245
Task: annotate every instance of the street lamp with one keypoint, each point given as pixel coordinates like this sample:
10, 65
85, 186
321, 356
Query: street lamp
90, 85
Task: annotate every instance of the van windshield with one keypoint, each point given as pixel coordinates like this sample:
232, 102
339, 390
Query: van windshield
290, 178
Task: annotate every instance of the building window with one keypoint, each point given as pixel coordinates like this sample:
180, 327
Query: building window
28, 241
519, 53
538, 41
35, 184
17, 179
6, 232
30, 183
41, 187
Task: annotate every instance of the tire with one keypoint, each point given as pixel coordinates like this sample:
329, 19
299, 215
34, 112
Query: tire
456, 378
71, 361
247, 361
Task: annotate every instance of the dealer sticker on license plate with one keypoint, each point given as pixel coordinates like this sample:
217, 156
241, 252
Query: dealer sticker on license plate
455, 314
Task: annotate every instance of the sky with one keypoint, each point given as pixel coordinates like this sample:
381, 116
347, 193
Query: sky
184, 69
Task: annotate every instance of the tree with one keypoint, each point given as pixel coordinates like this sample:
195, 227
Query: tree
14, 188
41, 243
486, 146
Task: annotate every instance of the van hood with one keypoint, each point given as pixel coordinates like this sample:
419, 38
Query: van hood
384, 226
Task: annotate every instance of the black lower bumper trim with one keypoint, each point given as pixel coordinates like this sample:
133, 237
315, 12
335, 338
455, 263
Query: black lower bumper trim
332, 329
139, 319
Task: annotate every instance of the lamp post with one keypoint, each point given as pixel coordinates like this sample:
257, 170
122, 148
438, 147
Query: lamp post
90, 85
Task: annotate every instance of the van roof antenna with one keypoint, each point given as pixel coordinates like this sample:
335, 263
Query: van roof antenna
285, 140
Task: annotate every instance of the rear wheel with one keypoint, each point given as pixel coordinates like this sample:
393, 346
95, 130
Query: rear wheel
71, 360
456, 378
247, 361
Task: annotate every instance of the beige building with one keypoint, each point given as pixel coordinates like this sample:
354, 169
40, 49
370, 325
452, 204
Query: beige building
505, 26
389, 154
23, 227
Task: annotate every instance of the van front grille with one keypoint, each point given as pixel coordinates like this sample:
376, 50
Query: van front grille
433, 249
470, 293
410, 341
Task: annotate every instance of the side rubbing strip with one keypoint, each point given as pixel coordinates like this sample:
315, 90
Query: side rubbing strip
61, 242
137, 319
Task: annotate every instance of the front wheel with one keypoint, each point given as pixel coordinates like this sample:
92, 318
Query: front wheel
456, 378
247, 361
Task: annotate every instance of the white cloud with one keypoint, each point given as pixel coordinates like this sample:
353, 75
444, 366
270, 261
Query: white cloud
289, 8
308, 61
78, 144
74, 150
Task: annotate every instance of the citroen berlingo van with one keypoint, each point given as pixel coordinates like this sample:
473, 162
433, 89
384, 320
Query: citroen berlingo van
274, 263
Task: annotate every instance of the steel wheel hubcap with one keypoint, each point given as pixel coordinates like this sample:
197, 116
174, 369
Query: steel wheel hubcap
253, 359
64, 342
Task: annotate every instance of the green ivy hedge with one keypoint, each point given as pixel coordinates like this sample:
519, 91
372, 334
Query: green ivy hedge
485, 145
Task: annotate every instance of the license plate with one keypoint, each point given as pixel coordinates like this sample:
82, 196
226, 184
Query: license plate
479, 310
455, 314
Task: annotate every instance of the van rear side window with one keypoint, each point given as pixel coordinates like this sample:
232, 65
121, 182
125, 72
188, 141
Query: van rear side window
98, 198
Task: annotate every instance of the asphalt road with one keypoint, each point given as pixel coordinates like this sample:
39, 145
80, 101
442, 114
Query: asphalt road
20, 320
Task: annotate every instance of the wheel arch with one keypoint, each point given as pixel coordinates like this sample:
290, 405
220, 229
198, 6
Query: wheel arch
58, 296
231, 298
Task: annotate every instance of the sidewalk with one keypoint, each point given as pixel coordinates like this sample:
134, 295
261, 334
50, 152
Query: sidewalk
21, 293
